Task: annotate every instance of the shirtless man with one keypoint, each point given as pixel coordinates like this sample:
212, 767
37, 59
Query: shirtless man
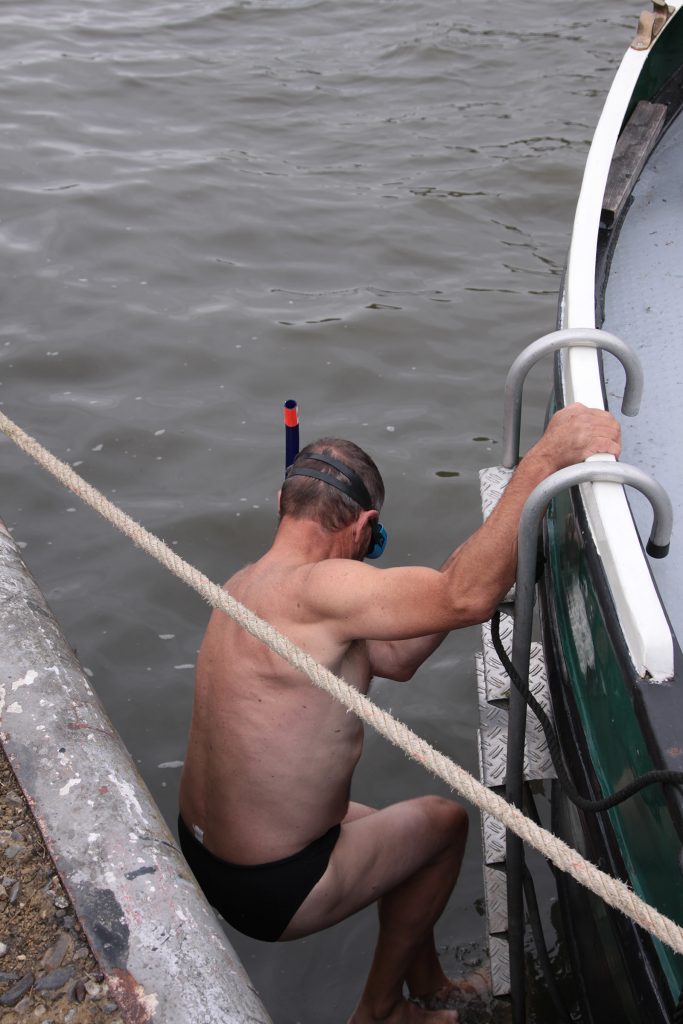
266, 823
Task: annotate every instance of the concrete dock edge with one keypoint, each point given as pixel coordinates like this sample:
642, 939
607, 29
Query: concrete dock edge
157, 941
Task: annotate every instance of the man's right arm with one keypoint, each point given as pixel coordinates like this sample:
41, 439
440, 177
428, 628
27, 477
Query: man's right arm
572, 435
412, 609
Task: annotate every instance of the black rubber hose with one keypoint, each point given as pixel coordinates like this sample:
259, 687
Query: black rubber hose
514, 857
515, 868
647, 779
542, 949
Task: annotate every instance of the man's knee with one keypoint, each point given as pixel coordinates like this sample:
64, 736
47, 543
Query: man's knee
449, 817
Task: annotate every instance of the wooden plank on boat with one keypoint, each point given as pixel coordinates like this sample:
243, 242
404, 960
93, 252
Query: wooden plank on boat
630, 153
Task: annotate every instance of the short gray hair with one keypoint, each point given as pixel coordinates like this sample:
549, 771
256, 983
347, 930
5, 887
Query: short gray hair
307, 498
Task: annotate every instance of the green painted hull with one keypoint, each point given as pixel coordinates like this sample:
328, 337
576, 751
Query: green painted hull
606, 725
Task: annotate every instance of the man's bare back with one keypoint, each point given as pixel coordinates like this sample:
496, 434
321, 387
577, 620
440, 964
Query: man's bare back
257, 780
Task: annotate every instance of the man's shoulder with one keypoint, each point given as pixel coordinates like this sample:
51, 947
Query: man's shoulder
267, 573
242, 574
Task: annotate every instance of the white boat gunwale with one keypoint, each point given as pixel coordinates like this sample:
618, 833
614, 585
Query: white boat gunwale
642, 618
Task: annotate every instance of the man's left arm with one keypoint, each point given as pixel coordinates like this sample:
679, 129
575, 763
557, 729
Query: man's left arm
400, 659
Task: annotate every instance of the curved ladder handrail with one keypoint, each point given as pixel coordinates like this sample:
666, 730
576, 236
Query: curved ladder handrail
575, 337
536, 503
530, 521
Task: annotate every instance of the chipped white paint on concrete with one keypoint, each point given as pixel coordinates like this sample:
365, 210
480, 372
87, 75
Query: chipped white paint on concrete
109, 879
26, 680
15, 708
69, 786
128, 794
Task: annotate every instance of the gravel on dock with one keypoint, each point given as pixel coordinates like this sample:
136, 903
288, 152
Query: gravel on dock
48, 974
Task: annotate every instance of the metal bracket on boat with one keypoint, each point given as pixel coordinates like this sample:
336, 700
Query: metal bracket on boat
575, 337
650, 24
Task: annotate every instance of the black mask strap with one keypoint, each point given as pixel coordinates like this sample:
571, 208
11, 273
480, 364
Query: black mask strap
355, 489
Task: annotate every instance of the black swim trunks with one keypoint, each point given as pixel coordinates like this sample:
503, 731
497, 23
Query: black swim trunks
258, 899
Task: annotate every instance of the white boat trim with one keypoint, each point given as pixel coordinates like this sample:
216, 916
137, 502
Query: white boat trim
642, 618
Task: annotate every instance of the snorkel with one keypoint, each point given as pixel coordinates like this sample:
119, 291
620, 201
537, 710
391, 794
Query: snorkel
291, 413
354, 489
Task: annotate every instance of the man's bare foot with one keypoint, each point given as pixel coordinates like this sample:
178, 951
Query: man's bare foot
446, 995
405, 1012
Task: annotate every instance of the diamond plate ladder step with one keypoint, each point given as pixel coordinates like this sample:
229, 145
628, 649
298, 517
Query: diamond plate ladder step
493, 686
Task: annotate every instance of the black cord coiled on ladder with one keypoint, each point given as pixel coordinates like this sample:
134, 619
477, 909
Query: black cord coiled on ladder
584, 804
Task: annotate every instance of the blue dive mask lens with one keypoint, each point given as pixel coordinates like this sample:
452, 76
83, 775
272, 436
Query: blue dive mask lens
378, 541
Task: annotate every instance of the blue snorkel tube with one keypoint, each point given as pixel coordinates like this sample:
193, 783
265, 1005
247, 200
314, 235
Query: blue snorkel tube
355, 489
291, 414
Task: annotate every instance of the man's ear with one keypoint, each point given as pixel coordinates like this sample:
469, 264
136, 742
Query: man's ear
363, 519
279, 495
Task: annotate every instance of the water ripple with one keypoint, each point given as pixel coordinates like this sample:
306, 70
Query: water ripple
210, 207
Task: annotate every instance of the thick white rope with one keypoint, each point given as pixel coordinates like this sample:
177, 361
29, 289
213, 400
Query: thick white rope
611, 890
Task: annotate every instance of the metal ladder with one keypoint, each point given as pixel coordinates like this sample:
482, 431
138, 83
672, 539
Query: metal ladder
498, 706
493, 690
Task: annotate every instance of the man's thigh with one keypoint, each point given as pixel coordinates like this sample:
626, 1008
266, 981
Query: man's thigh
356, 811
376, 851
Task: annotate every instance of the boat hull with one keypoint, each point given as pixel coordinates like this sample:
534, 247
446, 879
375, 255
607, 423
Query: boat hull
617, 716
617, 967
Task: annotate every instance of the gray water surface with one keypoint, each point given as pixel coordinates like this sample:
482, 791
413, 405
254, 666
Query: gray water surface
210, 207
